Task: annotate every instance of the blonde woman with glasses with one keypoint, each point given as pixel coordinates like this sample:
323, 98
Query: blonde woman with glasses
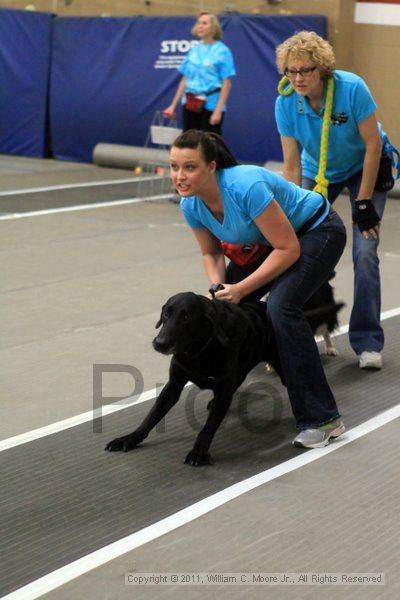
331, 140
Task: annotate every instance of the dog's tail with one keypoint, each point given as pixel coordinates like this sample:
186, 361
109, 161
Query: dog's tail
324, 314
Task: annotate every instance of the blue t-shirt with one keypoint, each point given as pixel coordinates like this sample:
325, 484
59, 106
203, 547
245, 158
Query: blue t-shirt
246, 191
206, 66
346, 149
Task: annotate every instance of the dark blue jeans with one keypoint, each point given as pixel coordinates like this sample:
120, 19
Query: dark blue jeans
311, 398
365, 330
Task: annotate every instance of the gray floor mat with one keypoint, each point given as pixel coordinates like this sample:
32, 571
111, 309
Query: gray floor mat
63, 496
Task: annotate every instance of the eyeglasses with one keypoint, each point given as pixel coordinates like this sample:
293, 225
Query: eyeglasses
304, 72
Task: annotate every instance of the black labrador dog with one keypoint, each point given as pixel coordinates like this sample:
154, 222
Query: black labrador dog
214, 344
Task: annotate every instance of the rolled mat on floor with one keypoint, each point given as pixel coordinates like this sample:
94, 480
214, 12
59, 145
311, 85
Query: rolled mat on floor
128, 157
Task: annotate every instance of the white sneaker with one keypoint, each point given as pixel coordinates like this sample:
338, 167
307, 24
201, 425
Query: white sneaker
370, 360
319, 437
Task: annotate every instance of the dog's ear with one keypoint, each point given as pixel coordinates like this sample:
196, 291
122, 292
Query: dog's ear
159, 322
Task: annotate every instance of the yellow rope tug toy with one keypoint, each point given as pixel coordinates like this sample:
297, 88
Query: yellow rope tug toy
281, 87
321, 181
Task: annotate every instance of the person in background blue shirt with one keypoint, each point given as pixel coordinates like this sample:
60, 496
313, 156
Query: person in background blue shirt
206, 83
246, 204
347, 155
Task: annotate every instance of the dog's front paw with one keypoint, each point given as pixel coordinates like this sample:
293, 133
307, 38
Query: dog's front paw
198, 457
124, 444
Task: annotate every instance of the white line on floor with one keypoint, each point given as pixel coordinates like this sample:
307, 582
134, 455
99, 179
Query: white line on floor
61, 576
51, 211
53, 428
70, 186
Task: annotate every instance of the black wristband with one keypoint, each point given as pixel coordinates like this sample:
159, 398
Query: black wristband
216, 287
365, 215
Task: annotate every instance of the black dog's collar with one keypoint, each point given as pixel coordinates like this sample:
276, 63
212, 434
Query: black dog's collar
216, 287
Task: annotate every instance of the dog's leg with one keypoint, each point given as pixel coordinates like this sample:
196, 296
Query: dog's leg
199, 455
330, 349
168, 397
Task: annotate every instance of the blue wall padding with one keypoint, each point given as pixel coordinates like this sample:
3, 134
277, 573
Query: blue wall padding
105, 88
25, 43
108, 77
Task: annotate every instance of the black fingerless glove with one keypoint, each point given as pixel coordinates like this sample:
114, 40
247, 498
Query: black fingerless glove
365, 215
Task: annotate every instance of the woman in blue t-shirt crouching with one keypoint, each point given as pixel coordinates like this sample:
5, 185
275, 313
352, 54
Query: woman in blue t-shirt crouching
246, 204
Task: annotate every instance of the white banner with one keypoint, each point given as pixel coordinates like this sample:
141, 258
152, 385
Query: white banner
377, 13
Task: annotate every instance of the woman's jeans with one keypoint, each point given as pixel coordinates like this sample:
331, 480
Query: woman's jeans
365, 331
311, 398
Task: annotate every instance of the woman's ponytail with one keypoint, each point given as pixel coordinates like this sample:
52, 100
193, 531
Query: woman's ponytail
224, 157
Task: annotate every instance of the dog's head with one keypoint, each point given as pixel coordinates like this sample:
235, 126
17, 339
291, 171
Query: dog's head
188, 322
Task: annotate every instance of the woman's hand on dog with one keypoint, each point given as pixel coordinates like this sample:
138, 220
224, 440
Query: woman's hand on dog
231, 292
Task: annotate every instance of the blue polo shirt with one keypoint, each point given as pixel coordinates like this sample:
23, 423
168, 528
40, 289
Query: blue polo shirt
246, 191
206, 66
346, 150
